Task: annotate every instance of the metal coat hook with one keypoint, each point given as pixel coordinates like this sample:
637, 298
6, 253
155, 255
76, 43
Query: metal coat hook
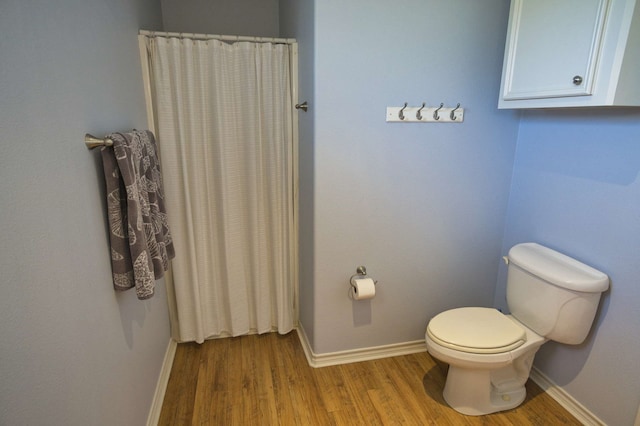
452, 115
401, 113
419, 113
435, 113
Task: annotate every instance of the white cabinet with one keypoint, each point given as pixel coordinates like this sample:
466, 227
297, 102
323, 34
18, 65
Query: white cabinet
572, 53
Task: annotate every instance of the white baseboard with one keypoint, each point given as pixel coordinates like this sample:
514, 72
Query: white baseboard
161, 386
357, 355
569, 403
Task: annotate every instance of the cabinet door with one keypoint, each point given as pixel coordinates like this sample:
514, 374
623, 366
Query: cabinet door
552, 48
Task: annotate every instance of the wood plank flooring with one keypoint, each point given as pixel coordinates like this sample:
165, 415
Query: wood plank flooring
265, 380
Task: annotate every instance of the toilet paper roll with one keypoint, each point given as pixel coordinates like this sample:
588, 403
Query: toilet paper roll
364, 288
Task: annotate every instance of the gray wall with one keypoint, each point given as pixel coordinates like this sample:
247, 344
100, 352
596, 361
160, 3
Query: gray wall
422, 206
233, 17
297, 20
73, 351
576, 188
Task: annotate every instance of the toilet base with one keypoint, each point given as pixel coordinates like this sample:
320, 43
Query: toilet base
471, 392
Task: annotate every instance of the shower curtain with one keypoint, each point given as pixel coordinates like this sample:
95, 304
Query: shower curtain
224, 120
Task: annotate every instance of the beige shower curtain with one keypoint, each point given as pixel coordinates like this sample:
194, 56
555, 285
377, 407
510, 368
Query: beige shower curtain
224, 120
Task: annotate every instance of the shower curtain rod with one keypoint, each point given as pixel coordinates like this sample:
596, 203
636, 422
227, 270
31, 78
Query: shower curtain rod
194, 36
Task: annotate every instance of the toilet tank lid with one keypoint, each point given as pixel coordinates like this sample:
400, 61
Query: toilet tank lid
558, 268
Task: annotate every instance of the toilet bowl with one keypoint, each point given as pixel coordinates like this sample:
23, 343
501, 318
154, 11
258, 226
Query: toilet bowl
551, 297
489, 355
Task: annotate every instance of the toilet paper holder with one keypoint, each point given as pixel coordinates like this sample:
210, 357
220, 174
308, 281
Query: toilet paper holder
361, 271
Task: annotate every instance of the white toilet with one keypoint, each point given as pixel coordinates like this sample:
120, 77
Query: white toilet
551, 297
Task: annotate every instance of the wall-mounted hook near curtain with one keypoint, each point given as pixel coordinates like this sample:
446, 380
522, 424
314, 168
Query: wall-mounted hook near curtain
401, 113
303, 106
435, 113
452, 115
419, 113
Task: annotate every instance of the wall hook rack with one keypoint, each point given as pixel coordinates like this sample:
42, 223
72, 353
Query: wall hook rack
425, 114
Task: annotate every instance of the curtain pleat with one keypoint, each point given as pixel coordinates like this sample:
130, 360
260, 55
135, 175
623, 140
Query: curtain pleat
225, 132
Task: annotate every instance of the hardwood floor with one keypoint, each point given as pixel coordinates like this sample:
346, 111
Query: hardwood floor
265, 380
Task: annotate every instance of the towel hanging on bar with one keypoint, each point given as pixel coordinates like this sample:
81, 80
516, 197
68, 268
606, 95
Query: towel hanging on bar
141, 244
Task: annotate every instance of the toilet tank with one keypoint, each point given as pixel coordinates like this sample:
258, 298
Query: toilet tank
552, 294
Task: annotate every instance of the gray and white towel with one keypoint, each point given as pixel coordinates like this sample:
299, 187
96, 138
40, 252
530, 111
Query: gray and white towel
141, 244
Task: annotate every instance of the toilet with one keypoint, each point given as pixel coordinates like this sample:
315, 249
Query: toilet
551, 297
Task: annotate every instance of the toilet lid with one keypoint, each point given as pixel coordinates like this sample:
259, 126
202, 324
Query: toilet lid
476, 330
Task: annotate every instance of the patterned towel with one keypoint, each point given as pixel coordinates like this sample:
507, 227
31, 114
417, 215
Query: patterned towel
141, 244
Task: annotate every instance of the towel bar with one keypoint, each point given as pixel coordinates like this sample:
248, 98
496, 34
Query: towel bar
93, 142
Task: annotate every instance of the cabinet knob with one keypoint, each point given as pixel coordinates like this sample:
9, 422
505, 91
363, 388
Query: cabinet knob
577, 80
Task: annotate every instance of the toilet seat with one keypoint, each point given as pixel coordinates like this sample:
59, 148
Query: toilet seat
476, 330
